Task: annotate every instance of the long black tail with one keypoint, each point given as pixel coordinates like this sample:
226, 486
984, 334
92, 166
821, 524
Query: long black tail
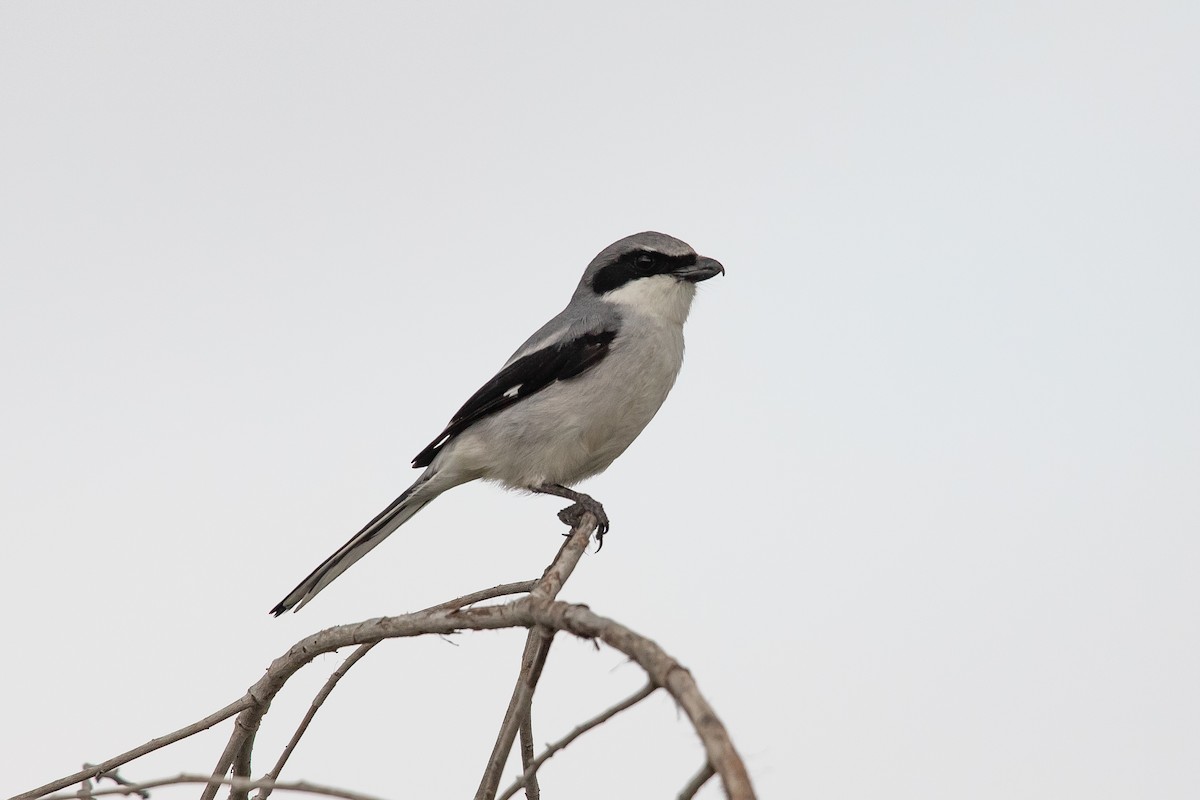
416, 497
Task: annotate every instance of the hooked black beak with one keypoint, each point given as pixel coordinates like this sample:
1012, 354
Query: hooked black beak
702, 270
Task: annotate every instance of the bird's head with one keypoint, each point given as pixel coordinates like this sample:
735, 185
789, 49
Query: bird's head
649, 273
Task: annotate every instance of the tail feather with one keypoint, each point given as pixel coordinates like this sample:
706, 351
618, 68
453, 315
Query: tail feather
396, 514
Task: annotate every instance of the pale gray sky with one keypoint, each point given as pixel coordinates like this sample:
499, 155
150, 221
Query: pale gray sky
921, 514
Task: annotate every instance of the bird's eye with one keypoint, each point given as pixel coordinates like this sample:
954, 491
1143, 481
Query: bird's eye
645, 262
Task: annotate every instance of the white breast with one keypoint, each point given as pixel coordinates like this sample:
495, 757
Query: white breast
662, 296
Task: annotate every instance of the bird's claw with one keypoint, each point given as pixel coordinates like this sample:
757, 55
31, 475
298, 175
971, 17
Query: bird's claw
572, 514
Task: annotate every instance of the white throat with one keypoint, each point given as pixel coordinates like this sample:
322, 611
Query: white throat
662, 296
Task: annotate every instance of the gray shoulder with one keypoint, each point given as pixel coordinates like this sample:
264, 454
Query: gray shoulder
581, 316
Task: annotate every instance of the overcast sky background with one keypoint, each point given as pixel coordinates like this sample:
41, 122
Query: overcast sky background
921, 514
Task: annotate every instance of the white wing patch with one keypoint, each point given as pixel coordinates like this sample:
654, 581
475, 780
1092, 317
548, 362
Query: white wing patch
513, 391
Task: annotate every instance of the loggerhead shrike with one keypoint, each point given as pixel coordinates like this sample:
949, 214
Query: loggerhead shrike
567, 403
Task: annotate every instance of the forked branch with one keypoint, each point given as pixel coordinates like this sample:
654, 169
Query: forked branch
539, 612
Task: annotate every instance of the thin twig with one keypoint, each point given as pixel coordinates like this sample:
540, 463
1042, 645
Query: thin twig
527, 612
116, 778
237, 783
520, 587
537, 647
533, 658
246, 725
532, 790
458, 602
317, 702
236, 707
604, 716
241, 767
665, 672
579, 620
698, 780
550, 584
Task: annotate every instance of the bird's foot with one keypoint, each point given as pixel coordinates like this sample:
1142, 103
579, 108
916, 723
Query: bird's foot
572, 514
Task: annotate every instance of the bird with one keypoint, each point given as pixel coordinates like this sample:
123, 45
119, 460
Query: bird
567, 403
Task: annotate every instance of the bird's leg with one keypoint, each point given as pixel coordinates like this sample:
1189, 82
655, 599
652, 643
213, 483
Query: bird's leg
583, 504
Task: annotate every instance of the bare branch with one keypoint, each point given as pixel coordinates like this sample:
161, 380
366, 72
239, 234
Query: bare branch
241, 784
225, 713
527, 612
698, 780
458, 602
663, 671
564, 563
243, 727
532, 790
539, 612
116, 778
532, 768
317, 702
241, 767
520, 587
537, 646
264, 691
237, 707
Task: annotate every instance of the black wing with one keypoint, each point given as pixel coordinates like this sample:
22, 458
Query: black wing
521, 378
